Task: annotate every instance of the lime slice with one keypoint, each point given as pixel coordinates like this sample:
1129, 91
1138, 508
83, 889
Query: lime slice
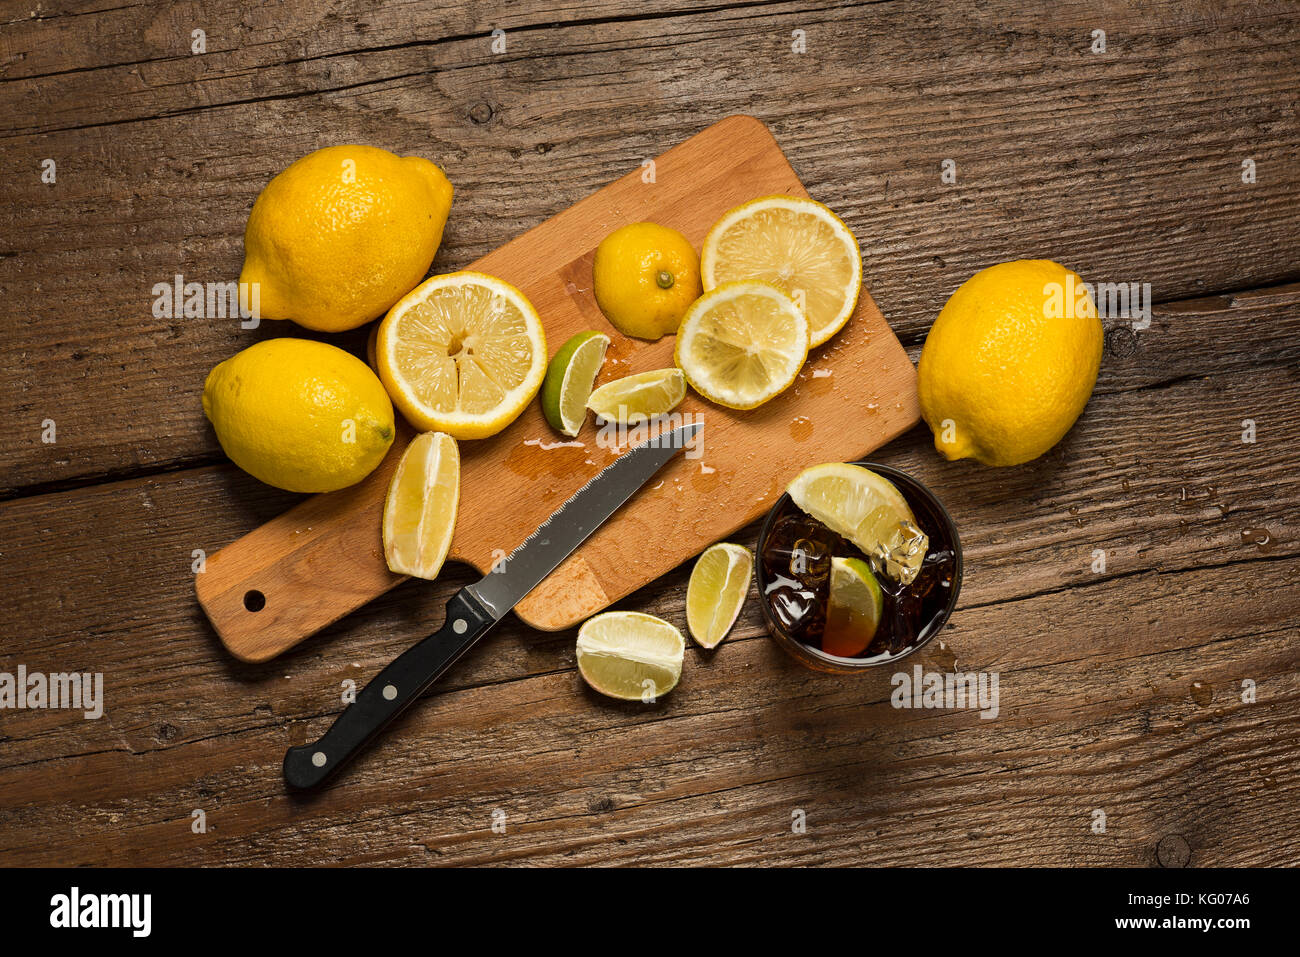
420, 510
742, 343
569, 378
639, 398
867, 510
854, 610
716, 593
631, 656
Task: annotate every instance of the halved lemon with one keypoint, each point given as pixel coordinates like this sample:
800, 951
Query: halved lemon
631, 656
640, 397
420, 510
742, 343
716, 592
854, 609
869, 511
462, 353
796, 244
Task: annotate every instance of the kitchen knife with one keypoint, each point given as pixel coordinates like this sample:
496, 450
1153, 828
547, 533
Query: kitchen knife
473, 610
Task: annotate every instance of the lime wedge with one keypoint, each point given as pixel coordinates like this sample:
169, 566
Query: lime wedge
867, 510
630, 656
569, 378
639, 398
420, 510
854, 610
716, 593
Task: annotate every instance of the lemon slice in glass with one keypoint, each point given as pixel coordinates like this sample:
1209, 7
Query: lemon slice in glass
462, 353
569, 379
742, 344
867, 510
420, 510
716, 592
796, 244
854, 610
631, 656
640, 397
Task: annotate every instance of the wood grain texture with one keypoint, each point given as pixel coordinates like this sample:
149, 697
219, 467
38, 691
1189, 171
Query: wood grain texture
1125, 166
1121, 690
324, 558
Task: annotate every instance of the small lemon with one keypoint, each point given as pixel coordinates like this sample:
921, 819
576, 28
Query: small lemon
1010, 363
645, 276
342, 234
299, 415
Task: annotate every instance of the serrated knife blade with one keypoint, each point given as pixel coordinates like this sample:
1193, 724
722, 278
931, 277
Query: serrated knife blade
573, 522
473, 610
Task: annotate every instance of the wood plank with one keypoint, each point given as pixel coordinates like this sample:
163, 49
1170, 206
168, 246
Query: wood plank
713, 775
1125, 166
1120, 690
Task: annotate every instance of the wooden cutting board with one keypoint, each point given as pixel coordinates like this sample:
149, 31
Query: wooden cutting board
324, 558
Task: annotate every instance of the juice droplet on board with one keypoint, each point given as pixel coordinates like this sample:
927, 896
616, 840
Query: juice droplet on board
801, 428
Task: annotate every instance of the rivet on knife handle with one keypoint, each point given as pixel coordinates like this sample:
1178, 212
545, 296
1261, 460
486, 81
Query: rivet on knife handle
388, 694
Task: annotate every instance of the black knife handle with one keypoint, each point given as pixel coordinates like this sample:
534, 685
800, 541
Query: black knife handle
389, 693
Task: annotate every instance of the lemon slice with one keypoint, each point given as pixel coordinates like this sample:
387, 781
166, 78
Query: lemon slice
796, 244
628, 655
640, 397
742, 343
462, 353
420, 510
716, 593
854, 610
569, 379
867, 510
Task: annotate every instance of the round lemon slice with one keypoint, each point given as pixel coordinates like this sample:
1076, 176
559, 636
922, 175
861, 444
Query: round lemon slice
462, 353
640, 397
631, 656
796, 244
716, 592
742, 343
420, 510
869, 511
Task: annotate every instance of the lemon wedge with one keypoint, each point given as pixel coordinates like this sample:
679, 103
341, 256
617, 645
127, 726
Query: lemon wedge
420, 510
796, 244
630, 656
462, 353
640, 397
742, 343
716, 592
869, 511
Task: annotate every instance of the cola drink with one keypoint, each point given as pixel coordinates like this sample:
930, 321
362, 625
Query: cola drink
794, 562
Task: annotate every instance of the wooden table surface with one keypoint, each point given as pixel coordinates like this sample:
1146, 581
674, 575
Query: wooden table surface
1123, 691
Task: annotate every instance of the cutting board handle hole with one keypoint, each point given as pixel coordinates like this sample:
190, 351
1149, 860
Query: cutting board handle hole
254, 600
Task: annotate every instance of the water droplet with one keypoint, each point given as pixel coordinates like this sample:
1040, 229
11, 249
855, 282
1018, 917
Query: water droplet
1261, 538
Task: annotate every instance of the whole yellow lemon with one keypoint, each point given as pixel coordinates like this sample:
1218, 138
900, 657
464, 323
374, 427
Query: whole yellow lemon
645, 276
300, 415
1010, 362
342, 234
